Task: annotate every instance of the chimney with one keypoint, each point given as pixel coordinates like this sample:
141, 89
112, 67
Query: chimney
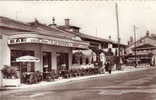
67, 22
147, 33
53, 23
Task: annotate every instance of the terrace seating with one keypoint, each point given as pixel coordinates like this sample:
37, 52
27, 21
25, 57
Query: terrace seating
35, 77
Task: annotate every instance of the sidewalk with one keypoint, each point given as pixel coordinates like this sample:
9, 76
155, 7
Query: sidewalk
60, 81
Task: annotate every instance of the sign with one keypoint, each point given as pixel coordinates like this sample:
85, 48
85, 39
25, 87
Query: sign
58, 42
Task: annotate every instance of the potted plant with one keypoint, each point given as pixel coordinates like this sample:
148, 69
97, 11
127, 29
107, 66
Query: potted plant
10, 76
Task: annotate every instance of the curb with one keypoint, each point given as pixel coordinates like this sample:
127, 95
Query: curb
58, 82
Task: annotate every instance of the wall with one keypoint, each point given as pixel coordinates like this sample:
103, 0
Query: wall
4, 52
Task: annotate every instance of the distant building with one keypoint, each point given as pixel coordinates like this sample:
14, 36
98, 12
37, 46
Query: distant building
145, 49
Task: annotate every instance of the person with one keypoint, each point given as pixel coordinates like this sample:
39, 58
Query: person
109, 67
106, 66
103, 61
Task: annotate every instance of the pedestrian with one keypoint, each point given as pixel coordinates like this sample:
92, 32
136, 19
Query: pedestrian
106, 66
109, 67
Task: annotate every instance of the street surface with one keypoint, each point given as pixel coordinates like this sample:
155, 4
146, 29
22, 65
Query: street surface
138, 85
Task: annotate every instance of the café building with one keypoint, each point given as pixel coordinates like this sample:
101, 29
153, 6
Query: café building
51, 46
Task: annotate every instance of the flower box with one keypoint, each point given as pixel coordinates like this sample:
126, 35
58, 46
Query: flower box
11, 82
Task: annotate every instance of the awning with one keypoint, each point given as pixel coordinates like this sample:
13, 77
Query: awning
35, 38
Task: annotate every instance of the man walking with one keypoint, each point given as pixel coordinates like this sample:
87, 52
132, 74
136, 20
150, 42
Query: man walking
108, 66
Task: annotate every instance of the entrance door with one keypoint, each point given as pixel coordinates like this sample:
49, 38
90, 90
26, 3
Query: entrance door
46, 61
62, 61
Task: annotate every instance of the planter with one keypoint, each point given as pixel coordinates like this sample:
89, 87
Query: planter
11, 82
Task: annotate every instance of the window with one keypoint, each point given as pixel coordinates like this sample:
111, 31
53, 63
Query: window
18, 53
62, 61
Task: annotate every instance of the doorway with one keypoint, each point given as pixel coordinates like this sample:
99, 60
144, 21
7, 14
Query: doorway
62, 61
46, 61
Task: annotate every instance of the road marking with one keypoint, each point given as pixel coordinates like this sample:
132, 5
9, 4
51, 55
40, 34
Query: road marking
32, 95
120, 92
39, 94
36, 95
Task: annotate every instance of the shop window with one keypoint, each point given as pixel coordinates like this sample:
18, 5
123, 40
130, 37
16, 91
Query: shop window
87, 60
74, 60
46, 61
18, 53
62, 61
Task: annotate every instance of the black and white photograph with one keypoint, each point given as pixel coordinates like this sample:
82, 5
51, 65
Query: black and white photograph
78, 50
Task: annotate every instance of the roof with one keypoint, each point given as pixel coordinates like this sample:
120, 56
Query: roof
69, 26
144, 47
151, 37
34, 28
99, 39
43, 29
82, 35
86, 36
7, 22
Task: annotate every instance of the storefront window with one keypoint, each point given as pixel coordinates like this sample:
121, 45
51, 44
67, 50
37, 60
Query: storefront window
24, 66
62, 61
46, 61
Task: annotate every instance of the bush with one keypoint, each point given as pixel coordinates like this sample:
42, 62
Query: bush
9, 72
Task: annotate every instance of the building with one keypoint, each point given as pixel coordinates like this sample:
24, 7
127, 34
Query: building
142, 51
53, 47
97, 45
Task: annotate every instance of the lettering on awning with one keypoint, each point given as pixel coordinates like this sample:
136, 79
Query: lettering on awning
66, 43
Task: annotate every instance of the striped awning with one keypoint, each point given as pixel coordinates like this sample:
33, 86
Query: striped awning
33, 38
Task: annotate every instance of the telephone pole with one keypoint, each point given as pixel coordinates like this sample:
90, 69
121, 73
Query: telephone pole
134, 29
118, 66
117, 24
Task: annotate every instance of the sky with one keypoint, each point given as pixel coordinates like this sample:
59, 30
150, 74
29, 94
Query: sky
97, 18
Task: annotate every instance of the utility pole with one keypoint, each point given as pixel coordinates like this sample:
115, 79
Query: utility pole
134, 29
118, 66
117, 24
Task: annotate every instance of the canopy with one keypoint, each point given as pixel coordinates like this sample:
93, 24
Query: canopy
27, 59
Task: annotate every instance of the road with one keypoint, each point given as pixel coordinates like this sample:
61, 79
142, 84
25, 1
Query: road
138, 85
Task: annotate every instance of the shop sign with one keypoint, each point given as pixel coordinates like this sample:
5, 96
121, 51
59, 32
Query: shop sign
66, 43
